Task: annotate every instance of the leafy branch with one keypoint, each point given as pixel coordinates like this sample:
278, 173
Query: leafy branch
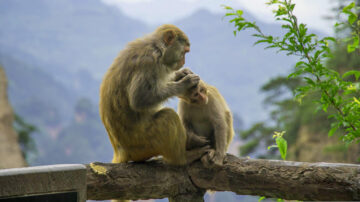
313, 52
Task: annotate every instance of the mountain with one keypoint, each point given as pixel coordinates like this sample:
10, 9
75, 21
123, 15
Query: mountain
76, 42
66, 34
66, 37
36, 94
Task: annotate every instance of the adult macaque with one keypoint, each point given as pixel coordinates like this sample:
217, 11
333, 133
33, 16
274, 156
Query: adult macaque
140, 79
205, 114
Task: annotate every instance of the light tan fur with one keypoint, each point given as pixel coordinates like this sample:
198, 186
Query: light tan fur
211, 120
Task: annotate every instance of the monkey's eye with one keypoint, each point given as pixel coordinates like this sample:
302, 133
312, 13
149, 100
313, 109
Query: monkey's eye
182, 40
193, 88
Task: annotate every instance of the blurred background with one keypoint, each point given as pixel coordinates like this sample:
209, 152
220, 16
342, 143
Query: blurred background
55, 54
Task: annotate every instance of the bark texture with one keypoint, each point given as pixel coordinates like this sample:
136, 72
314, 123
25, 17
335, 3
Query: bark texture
10, 152
270, 178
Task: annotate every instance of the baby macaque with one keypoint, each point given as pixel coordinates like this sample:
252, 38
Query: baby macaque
207, 119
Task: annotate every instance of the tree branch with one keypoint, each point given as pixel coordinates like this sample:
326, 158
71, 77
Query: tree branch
270, 178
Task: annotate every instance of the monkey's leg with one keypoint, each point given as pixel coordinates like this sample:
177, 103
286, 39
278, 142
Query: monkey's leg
168, 136
120, 156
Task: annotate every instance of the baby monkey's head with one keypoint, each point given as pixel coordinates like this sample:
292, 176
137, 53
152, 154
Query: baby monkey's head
197, 95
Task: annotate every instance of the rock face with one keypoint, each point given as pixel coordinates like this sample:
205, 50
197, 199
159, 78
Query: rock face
10, 152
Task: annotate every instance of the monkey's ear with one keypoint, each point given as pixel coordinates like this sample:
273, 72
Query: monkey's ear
169, 37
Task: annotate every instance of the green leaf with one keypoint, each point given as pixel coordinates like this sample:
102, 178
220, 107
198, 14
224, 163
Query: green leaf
330, 39
332, 130
260, 41
352, 72
351, 48
261, 198
272, 146
292, 75
227, 7
309, 81
352, 18
325, 106
229, 14
349, 7
282, 144
338, 24
292, 6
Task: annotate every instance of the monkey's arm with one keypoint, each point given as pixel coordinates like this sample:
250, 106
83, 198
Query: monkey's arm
146, 92
142, 93
220, 135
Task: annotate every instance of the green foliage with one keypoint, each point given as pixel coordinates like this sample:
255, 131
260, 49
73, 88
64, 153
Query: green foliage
286, 114
353, 23
335, 92
26, 142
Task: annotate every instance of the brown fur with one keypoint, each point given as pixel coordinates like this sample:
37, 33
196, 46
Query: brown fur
208, 119
131, 94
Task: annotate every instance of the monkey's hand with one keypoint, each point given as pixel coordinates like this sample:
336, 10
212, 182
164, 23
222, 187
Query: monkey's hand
189, 81
212, 158
195, 141
182, 73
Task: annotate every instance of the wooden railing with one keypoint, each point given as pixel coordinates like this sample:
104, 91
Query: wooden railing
154, 180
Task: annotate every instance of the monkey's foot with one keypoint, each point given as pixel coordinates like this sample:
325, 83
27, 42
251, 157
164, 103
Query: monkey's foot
213, 158
195, 154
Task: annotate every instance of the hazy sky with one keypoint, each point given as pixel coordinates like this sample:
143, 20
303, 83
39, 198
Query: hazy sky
311, 12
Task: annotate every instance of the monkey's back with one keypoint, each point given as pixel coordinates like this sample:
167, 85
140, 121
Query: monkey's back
120, 121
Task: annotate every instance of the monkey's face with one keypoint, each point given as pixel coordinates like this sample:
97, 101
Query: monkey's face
174, 56
197, 95
200, 96
185, 49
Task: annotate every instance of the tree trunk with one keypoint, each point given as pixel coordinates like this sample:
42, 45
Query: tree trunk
270, 178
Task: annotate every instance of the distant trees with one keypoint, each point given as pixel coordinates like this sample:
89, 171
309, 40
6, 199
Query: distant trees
82, 140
